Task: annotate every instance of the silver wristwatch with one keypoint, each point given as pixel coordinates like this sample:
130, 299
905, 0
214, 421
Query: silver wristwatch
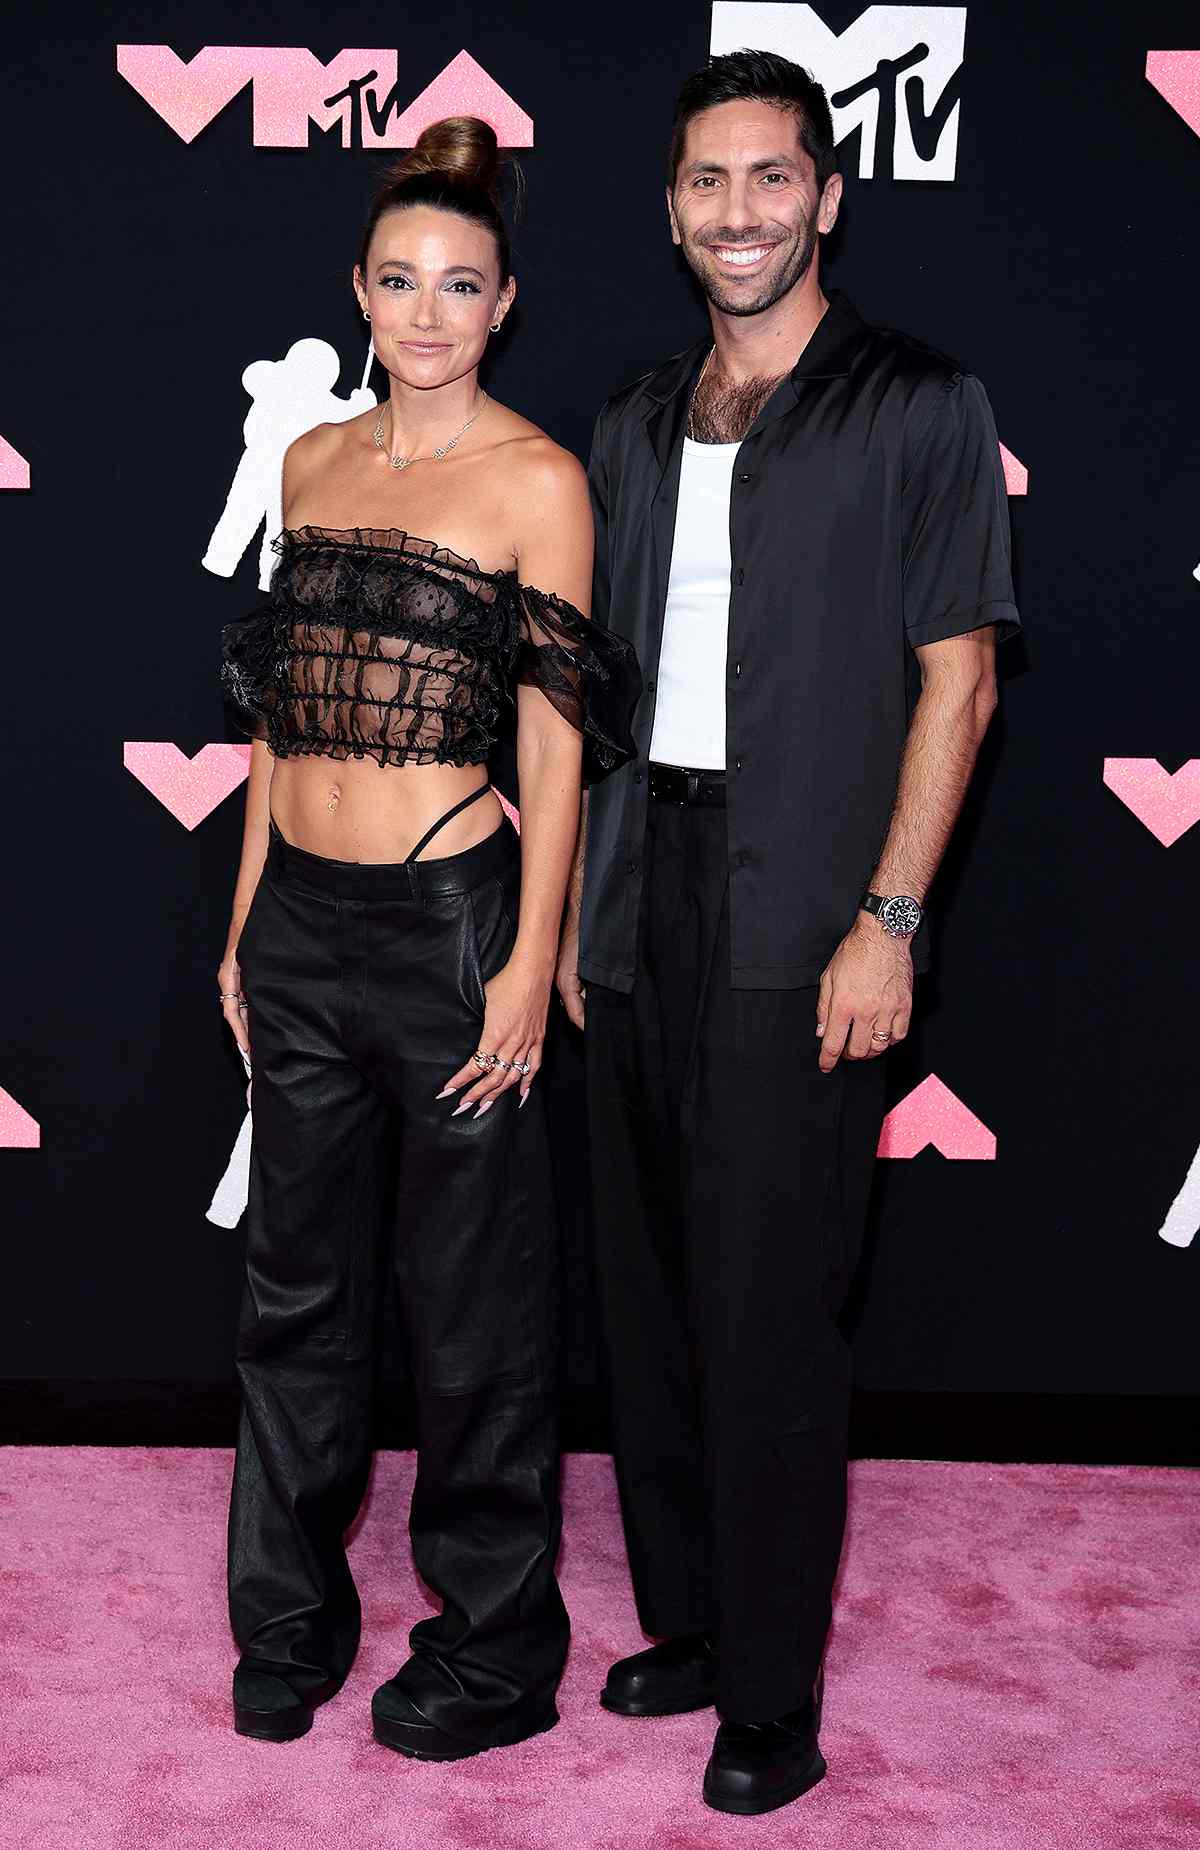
899, 915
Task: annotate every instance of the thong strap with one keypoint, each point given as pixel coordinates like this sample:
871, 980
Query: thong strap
448, 817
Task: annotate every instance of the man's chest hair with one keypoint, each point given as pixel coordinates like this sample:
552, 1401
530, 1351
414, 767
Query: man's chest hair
724, 413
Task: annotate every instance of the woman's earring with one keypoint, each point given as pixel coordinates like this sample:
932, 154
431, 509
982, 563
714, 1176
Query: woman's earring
495, 327
366, 314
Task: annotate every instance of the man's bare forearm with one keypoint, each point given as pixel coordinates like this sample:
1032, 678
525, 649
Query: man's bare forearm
575, 881
944, 737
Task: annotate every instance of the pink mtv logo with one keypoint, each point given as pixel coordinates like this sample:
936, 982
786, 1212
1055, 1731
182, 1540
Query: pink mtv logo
510, 810
18, 1131
291, 88
1176, 76
14, 470
1016, 475
932, 1115
465, 89
1168, 803
190, 788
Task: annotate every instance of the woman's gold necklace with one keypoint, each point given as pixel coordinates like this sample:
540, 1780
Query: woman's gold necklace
403, 462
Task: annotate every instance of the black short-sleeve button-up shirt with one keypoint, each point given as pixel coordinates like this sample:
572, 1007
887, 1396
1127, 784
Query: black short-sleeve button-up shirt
868, 516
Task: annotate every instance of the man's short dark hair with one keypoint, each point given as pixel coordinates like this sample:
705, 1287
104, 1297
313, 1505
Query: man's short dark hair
758, 77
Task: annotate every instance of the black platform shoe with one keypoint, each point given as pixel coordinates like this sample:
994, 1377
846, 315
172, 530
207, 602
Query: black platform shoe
397, 1722
671, 1678
759, 1766
267, 1708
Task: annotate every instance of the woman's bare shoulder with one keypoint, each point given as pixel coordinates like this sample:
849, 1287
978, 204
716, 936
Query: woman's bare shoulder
324, 448
325, 442
536, 464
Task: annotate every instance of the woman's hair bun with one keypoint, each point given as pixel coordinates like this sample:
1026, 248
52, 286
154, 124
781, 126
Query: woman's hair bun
462, 149
454, 167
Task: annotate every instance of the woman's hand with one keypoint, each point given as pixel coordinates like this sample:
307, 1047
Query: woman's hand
514, 1029
233, 1002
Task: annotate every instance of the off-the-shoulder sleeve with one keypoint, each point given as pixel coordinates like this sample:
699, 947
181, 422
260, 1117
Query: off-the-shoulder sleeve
250, 667
590, 675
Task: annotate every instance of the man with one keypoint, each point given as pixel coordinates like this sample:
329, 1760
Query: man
788, 522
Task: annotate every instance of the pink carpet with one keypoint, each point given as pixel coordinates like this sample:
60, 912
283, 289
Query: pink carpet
1016, 1663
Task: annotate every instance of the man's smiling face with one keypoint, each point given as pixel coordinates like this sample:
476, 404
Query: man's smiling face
745, 208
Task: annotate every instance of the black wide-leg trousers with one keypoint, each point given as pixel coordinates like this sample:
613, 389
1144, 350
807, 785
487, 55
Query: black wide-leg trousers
731, 1180
365, 990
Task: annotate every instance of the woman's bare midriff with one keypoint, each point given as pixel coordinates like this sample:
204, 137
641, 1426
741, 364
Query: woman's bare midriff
358, 810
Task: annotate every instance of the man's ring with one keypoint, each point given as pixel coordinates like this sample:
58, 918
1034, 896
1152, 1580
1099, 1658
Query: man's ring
230, 995
876, 1036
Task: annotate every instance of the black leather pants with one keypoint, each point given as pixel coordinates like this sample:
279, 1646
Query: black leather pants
365, 991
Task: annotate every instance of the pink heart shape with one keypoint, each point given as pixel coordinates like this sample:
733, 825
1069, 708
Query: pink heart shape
930, 1114
1016, 475
190, 788
1167, 802
14, 470
18, 1131
1176, 77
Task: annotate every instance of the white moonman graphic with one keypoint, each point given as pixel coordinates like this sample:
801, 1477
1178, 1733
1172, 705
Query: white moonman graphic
229, 1200
1183, 1218
290, 396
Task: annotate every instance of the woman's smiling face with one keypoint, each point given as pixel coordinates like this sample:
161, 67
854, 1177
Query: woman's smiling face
432, 289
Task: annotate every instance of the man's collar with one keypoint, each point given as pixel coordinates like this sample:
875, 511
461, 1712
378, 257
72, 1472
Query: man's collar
828, 355
680, 370
834, 342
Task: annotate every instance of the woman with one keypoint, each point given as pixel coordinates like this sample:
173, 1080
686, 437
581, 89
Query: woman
390, 972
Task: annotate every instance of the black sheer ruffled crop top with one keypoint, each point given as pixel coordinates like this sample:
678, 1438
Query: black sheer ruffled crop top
374, 644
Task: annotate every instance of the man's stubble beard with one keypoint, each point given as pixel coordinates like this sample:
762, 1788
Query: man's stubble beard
774, 291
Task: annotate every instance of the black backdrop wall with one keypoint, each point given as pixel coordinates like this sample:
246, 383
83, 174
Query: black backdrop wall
1056, 258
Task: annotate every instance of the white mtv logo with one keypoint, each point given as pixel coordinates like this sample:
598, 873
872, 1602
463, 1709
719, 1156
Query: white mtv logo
894, 72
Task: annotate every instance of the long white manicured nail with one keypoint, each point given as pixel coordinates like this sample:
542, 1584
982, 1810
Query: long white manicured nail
486, 1106
446, 1092
465, 1106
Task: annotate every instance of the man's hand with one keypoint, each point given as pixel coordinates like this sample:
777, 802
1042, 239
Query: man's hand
865, 1001
567, 976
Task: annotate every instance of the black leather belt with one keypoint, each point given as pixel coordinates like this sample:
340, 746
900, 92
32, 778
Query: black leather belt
675, 783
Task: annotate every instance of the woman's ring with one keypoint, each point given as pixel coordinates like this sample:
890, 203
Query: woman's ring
486, 1062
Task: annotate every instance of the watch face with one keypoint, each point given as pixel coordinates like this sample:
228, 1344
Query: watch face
900, 916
